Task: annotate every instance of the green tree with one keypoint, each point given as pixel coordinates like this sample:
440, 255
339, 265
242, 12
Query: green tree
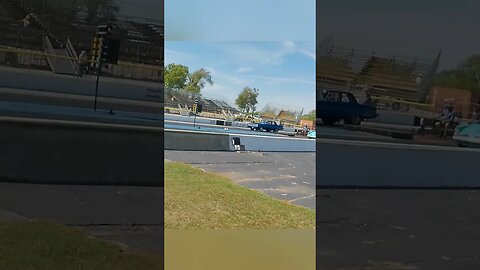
247, 100
176, 76
197, 81
310, 116
465, 76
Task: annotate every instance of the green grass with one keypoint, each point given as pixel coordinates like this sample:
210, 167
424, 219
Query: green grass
199, 200
44, 245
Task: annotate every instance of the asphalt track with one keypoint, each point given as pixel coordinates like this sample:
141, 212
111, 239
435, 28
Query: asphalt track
75, 100
45, 81
396, 206
398, 229
360, 164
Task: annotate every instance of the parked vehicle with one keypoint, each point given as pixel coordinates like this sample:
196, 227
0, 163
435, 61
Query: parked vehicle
335, 106
312, 134
467, 135
266, 126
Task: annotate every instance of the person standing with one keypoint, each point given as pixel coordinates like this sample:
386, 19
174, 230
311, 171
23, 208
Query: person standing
82, 63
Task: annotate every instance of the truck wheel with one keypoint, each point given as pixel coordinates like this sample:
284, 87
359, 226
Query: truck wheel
354, 120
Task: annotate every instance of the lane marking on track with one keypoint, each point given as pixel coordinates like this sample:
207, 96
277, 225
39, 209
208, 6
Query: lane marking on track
302, 198
396, 145
266, 178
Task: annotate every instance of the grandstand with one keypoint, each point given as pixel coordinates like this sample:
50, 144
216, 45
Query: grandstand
180, 99
282, 113
141, 38
401, 78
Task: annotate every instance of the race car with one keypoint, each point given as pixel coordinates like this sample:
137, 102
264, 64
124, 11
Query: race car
312, 134
467, 135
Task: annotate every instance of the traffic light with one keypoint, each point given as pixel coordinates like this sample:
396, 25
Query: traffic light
96, 47
103, 30
194, 107
199, 108
95, 50
110, 50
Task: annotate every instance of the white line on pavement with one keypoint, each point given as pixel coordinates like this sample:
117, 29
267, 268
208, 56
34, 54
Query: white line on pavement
396, 145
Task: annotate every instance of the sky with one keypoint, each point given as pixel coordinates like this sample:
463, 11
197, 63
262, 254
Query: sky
417, 28
284, 72
227, 20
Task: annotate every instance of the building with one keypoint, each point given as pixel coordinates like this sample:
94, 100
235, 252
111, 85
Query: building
464, 101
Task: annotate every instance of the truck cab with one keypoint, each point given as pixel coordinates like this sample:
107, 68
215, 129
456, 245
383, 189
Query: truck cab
266, 126
334, 106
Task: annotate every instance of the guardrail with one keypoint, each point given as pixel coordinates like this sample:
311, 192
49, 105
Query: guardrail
34, 59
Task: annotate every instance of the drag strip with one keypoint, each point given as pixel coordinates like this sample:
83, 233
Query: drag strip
354, 164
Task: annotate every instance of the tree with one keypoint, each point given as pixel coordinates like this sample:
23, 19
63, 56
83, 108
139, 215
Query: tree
197, 81
465, 76
310, 116
176, 76
247, 100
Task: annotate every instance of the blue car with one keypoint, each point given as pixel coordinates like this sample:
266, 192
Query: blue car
312, 134
467, 135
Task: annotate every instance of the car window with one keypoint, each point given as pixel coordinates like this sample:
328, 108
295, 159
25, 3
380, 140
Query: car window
345, 98
331, 97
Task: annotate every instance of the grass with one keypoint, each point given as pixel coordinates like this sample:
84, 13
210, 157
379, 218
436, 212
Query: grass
43, 245
198, 200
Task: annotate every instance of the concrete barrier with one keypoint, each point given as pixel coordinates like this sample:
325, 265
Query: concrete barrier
391, 117
72, 152
196, 141
46, 81
210, 141
274, 143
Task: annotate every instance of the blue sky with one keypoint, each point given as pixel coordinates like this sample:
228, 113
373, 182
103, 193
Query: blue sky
283, 71
227, 20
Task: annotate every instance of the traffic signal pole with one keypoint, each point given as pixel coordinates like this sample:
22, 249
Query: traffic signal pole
106, 50
99, 71
195, 112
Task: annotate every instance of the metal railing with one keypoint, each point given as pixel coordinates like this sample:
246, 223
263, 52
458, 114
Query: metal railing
47, 46
35, 59
73, 54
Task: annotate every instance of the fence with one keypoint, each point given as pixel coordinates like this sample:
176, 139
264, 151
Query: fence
34, 59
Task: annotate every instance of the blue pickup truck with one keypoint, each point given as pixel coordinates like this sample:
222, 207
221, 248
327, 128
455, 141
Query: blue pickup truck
334, 106
266, 126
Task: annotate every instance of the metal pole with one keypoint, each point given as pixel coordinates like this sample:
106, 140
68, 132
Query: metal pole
195, 112
99, 70
194, 117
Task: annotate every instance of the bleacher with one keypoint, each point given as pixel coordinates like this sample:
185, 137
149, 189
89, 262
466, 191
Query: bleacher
174, 99
393, 77
342, 68
141, 38
12, 31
